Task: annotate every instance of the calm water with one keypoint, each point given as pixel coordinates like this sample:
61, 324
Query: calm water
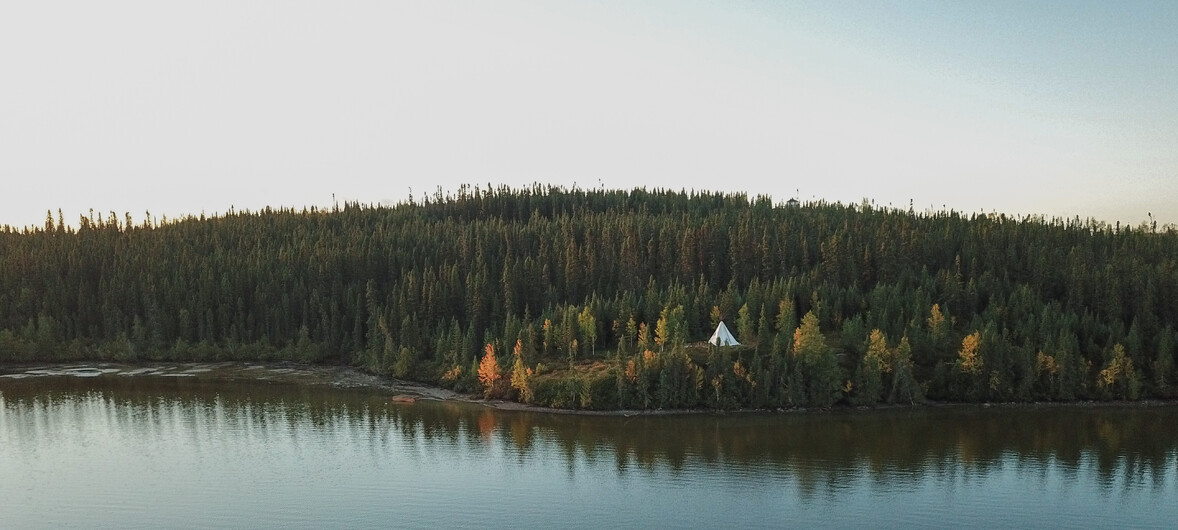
182, 452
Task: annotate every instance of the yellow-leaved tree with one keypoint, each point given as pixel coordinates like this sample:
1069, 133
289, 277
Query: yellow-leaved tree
968, 360
1119, 379
868, 386
521, 375
820, 378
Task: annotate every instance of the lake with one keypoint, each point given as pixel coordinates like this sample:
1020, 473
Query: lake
93, 449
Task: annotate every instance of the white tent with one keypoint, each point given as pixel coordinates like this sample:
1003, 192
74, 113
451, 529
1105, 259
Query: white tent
723, 337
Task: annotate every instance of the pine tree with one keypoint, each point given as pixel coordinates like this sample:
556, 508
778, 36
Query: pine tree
744, 324
905, 388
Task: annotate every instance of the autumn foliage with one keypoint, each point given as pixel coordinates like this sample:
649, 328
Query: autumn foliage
489, 374
968, 359
521, 375
416, 290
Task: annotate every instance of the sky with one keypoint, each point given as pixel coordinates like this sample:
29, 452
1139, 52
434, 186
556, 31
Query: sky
1054, 108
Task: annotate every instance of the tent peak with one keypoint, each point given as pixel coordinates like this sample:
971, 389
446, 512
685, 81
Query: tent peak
723, 337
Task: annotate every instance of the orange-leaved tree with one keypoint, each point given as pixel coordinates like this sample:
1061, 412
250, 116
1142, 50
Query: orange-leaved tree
489, 371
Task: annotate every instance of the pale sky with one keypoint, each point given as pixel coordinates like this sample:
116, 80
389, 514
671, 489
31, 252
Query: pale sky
1061, 108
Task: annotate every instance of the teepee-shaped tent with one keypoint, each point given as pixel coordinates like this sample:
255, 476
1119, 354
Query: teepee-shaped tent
723, 337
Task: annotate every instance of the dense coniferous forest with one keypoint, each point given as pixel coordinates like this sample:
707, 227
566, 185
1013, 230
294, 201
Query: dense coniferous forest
603, 299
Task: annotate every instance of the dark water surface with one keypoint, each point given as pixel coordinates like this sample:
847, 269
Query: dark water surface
178, 452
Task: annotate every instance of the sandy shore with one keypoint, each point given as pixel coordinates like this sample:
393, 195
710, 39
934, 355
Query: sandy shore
336, 376
346, 377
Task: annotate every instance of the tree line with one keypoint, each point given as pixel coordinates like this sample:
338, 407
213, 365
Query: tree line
601, 298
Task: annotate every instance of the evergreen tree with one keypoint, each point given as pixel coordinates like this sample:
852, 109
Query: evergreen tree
744, 324
417, 289
905, 388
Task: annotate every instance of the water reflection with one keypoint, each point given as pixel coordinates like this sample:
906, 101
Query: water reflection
944, 456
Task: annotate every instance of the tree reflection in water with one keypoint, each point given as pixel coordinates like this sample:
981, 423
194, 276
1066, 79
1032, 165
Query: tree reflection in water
1125, 448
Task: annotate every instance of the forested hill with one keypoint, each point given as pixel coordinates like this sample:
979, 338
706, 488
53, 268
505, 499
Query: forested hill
598, 298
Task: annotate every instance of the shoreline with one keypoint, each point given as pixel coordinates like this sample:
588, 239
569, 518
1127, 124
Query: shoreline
408, 392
